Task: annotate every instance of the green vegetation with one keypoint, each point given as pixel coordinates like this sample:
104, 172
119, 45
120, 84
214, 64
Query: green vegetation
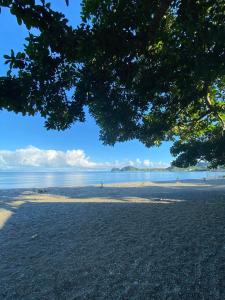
147, 70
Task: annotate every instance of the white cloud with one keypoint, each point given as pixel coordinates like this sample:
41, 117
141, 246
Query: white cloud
147, 163
138, 161
33, 157
130, 163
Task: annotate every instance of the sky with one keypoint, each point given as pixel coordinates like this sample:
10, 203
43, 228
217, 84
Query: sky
26, 144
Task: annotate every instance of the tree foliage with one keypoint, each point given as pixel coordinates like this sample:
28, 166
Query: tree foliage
147, 70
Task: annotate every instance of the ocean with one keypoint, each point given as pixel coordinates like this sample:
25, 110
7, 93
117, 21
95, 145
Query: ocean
10, 180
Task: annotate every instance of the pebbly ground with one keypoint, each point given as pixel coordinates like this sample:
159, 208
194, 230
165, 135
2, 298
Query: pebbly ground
128, 241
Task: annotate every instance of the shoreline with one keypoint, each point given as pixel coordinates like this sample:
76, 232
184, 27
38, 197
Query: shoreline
73, 179
204, 181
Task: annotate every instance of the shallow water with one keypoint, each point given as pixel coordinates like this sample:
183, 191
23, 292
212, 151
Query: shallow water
65, 179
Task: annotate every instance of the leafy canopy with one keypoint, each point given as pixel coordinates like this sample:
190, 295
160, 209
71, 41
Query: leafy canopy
147, 70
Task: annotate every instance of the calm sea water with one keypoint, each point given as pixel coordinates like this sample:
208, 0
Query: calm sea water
66, 179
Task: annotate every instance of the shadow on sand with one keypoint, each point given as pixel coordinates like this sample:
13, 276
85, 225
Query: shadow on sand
169, 244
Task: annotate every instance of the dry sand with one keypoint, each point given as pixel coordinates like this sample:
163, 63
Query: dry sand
123, 241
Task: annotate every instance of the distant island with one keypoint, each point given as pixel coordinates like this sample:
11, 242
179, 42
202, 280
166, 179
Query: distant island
199, 168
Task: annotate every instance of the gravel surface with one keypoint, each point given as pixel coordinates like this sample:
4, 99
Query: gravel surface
127, 241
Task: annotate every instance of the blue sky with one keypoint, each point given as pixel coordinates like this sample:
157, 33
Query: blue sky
25, 137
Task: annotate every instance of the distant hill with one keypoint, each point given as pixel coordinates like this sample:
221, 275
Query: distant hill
200, 167
134, 169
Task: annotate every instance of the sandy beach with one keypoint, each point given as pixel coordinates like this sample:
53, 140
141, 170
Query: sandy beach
123, 241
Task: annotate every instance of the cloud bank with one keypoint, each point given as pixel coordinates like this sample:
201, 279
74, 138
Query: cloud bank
34, 158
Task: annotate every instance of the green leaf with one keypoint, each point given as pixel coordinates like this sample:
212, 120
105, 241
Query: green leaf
19, 20
6, 56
